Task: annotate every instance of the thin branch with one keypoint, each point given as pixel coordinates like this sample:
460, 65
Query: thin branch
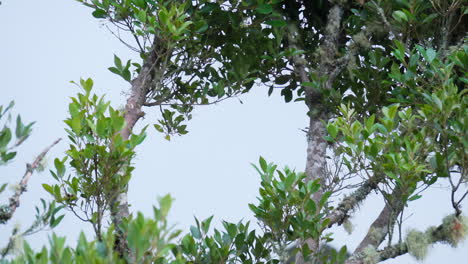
7, 213
130, 27
117, 35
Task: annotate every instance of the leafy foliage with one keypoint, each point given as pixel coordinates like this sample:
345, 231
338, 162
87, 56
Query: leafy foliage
413, 142
385, 86
47, 215
21, 133
99, 157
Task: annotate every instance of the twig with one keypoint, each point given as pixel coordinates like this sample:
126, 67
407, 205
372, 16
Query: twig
15, 199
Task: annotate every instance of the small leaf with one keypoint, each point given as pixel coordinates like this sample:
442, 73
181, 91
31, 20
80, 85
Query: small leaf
99, 13
414, 197
195, 232
324, 198
5, 137
114, 70
101, 128
400, 16
287, 93
431, 54
19, 127
141, 15
206, 224
118, 63
87, 84
2, 188
56, 221
264, 9
263, 164
165, 204
200, 28
48, 188
276, 23
332, 130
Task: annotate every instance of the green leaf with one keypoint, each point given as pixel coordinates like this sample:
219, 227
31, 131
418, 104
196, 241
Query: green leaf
431, 54
283, 79
48, 188
288, 182
201, 27
309, 84
75, 124
87, 84
195, 232
438, 102
310, 207
118, 63
165, 204
2, 188
414, 197
114, 70
141, 15
264, 9
276, 23
342, 254
324, 198
380, 127
332, 130
126, 75
8, 156
99, 13
118, 123
400, 16
5, 137
101, 128
287, 93
313, 186
60, 167
263, 164
206, 224
19, 127
10, 105
54, 222
184, 26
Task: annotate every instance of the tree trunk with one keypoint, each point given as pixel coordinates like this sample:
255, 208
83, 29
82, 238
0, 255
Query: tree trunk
133, 112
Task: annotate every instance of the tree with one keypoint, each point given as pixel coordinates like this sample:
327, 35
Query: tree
384, 83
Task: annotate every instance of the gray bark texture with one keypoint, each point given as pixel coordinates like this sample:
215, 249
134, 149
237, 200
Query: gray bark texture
141, 85
316, 163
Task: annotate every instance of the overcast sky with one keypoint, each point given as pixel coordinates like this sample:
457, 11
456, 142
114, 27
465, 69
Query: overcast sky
44, 44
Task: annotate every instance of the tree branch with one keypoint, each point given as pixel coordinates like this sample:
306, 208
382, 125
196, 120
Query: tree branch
448, 232
350, 202
383, 224
133, 112
316, 164
7, 212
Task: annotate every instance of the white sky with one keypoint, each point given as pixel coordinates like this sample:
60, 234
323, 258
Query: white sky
45, 44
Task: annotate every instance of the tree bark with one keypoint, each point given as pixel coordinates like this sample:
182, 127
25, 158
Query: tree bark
350, 202
316, 163
383, 224
141, 85
436, 234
